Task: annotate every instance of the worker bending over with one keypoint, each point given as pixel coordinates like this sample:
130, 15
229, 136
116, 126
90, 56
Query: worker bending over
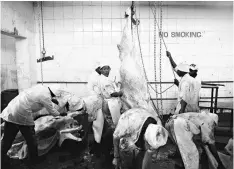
18, 116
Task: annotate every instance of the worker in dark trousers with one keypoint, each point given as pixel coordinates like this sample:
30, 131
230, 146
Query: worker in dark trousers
18, 117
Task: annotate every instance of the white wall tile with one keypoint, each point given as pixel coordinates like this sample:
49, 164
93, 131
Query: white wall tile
116, 37
116, 12
77, 3
97, 11
87, 12
78, 25
48, 13
49, 26
67, 3
97, 25
144, 25
106, 38
144, 37
97, 38
58, 25
144, 12
106, 3
68, 12
88, 24
106, 12
69, 25
78, 11
78, 38
88, 38
116, 24
106, 24
58, 3
58, 12
87, 3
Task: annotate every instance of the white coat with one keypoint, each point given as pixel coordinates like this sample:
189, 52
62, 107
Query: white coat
20, 109
103, 86
189, 90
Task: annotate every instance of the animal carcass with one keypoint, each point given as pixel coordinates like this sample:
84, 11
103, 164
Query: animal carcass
49, 131
133, 81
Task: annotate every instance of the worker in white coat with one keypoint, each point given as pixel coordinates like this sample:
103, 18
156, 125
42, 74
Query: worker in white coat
189, 87
109, 91
18, 117
183, 128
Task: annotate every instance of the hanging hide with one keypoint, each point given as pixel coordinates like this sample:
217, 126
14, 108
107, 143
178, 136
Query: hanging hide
133, 81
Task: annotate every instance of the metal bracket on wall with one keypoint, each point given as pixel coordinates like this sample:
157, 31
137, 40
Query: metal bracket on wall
14, 34
46, 58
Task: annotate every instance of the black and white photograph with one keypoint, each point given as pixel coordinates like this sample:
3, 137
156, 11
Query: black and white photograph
117, 84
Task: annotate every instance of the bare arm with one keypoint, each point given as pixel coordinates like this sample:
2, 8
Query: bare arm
47, 103
183, 106
184, 96
171, 59
116, 141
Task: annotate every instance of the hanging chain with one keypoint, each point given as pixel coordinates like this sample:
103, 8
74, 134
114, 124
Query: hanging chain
143, 66
42, 31
155, 53
39, 32
160, 57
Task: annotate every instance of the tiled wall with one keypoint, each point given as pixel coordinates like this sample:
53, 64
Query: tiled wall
80, 33
8, 63
18, 54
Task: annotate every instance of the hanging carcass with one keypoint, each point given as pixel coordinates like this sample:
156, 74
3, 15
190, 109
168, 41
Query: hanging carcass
139, 125
133, 81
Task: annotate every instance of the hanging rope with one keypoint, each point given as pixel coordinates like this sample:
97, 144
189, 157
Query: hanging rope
155, 60
143, 66
154, 13
160, 58
40, 33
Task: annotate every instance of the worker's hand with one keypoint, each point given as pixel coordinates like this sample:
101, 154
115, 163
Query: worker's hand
120, 94
55, 101
63, 114
116, 163
176, 82
117, 94
168, 54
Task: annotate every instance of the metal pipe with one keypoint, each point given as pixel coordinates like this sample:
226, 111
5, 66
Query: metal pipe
151, 82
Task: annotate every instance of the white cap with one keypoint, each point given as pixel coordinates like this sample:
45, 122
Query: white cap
75, 103
183, 67
96, 64
56, 89
156, 135
193, 67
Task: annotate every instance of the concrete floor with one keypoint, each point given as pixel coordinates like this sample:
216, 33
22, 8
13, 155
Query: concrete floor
74, 155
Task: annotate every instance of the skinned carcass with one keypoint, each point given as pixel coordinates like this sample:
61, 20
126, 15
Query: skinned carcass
136, 102
133, 81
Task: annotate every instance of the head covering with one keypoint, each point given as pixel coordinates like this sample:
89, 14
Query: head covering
56, 89
193, 67
183, 67
156, 135
75, 103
